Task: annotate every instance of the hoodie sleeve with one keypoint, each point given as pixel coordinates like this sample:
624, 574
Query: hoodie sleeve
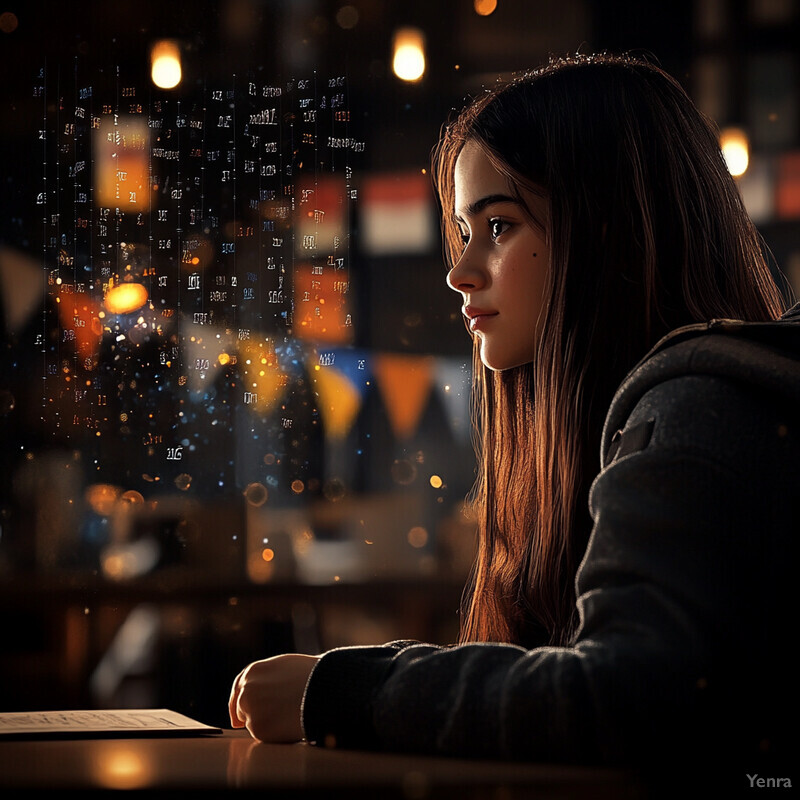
666, 628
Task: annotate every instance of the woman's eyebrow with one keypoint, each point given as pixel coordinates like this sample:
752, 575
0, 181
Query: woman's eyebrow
478, 205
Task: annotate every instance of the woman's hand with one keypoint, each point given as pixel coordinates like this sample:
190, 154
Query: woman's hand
266, 697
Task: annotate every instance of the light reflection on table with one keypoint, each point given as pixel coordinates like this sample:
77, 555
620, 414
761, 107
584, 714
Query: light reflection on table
233, 760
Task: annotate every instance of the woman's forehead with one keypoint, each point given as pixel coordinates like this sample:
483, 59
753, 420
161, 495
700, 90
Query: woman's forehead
477, 182
475, 175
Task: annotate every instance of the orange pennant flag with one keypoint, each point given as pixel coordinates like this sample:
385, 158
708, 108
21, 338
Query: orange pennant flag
405, 385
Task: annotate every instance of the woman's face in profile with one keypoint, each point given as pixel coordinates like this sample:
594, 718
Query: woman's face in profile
502, 270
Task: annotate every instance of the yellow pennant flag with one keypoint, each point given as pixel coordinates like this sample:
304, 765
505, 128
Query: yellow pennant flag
405, 385
339, 400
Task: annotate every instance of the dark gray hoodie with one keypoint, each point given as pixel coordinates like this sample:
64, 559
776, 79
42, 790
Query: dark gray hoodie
685, 592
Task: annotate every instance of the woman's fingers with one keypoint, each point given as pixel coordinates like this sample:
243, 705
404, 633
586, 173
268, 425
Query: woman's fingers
237, 721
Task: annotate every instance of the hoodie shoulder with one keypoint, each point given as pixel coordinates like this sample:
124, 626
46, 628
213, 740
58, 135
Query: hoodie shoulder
764, 355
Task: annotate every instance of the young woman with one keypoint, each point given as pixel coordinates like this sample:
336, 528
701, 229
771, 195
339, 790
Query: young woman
637, 388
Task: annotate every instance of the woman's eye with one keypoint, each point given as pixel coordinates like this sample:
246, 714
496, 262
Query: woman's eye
464, 239
497, 227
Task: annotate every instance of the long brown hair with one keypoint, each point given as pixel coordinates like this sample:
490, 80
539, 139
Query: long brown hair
647, 232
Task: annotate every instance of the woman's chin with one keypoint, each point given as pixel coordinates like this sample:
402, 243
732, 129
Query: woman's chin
502, 365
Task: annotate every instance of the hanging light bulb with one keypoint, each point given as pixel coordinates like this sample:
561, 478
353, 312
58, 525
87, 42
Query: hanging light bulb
485, 7
736, 149
165, 62
409, 54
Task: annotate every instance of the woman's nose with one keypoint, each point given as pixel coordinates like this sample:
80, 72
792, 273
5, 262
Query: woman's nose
465, 276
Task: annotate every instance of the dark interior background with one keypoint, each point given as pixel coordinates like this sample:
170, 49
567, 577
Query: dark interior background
375, 544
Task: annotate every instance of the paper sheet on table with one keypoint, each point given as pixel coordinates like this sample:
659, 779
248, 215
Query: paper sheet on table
105, 722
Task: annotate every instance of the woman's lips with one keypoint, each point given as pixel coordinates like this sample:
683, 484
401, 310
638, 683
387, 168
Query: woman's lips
480, 322
478, 318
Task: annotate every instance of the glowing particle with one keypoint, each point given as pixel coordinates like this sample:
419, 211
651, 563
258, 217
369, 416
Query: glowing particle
183, 481
436, 482
347, 17
418, 536
223, 359
403, 472
255, 494
7, 402
298, 486
334, 489
267, 554
102, 497
9, 21
131, 498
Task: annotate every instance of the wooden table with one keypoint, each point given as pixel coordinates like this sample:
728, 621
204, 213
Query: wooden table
234, 761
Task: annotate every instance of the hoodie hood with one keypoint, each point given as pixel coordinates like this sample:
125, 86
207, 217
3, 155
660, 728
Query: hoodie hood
764, 355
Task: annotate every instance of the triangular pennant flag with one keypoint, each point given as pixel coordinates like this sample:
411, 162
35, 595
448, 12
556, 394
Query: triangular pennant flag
339, 399
453, 385
405, 385
355, 364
